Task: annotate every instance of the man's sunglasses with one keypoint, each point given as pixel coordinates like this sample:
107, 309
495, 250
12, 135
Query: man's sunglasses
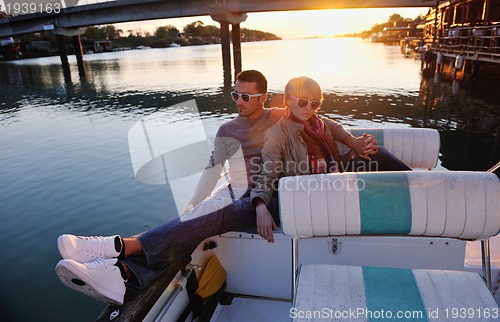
302, 102
244, 97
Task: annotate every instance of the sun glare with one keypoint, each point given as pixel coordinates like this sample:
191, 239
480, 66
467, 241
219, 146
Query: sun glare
324, 23
297, 24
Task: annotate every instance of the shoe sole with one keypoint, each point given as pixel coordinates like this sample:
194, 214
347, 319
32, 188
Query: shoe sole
64, 270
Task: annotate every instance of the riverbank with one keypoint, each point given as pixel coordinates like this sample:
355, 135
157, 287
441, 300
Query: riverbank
109, 38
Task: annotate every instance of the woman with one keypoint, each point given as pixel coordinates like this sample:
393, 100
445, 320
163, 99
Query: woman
303, 143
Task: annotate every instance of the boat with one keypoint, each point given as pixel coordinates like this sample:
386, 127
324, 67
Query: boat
90, 46
174, 45
9, 48
334, 260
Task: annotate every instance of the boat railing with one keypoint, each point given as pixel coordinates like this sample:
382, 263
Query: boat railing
485, 246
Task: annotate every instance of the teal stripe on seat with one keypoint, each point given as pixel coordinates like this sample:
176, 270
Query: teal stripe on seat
392, 290
377, 133
384, 202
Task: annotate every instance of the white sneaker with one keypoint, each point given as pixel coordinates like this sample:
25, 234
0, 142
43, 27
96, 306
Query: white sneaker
99, 279
86, 249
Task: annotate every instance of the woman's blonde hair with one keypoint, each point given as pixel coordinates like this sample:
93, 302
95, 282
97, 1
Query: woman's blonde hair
303, 86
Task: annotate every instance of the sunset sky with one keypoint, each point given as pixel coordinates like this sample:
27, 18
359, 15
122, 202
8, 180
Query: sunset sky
296, 24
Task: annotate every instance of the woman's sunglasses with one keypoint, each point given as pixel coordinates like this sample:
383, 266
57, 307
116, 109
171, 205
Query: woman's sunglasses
303, 103
244, 97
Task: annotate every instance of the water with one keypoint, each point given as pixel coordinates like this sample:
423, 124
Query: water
65, 164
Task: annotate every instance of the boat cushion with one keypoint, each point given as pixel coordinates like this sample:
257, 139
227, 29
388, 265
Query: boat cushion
355, 293
416, 147
457, 204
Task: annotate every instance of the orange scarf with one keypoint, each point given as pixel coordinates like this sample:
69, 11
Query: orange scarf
321, 151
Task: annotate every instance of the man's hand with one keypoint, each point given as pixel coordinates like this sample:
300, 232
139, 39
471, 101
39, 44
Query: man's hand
188, 209
265, 222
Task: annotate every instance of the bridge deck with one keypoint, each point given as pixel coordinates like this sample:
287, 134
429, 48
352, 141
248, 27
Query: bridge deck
110, 12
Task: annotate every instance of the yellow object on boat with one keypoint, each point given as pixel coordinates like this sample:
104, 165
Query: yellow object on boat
212, 279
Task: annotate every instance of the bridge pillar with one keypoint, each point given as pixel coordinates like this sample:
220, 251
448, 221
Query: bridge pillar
236, 37
226, 52
61, 46
77, 46
224, 17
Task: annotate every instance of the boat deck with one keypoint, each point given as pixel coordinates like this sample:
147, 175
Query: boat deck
245, 309
264, 308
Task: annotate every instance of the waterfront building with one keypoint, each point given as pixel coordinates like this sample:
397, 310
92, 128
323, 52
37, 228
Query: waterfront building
465, 35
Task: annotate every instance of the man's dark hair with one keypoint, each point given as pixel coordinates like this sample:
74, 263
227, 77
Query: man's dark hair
253, 76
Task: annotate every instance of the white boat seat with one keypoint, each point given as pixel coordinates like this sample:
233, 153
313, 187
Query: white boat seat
355, 293
416, 147
453, 204
456, 204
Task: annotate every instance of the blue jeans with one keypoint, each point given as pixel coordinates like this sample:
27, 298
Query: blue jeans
165, 244
383, 160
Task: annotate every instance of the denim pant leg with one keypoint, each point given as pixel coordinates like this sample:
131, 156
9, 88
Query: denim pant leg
164, 244
383, 160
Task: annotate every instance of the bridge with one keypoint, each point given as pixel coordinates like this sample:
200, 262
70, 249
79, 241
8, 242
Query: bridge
67, 18
75, 14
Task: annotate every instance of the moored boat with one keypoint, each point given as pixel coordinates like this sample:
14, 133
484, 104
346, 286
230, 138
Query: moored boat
9, 48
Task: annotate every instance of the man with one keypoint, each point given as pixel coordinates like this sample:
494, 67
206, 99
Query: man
103, 267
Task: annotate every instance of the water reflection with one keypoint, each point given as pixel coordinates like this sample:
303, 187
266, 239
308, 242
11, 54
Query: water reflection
21, 75
43, 85
469, 126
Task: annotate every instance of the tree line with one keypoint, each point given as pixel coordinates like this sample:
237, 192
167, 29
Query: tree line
394, 19
195, 33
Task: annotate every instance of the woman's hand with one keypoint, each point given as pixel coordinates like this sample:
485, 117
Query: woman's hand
363, 146
265, 222
370, 144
